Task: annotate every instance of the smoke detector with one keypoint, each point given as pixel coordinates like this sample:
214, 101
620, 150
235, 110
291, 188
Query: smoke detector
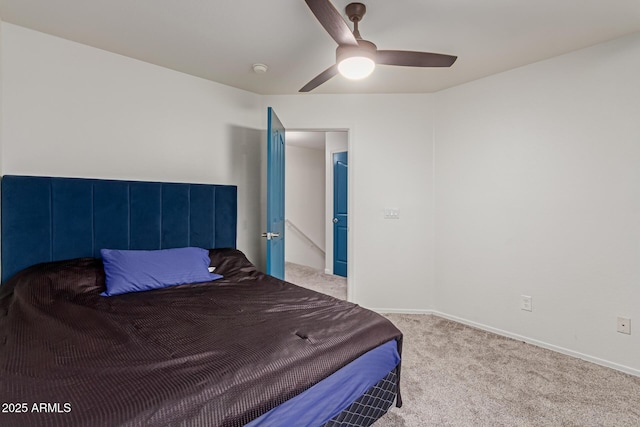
259, 68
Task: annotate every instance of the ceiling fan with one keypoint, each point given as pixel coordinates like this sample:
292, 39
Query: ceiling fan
355, 57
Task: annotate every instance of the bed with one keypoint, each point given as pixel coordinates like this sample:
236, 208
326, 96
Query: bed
246, 349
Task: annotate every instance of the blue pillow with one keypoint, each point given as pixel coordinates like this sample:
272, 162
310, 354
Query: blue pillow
135, 271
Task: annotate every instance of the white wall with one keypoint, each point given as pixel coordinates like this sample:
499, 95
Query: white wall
538, 193
73, 110
335, 142
304, 205
390, 164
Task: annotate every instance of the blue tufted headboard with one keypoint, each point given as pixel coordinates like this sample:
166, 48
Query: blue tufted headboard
50, 219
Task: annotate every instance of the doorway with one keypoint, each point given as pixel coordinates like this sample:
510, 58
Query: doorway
309, 198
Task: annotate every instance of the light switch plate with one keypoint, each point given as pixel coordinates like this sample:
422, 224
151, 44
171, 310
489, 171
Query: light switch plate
391, 213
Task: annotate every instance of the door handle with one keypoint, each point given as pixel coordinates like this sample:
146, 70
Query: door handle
269, 235
335, 220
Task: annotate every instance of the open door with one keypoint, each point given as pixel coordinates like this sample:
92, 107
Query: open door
275, 195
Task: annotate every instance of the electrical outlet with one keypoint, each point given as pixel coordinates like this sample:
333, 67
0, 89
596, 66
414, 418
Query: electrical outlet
624, 325
525, 303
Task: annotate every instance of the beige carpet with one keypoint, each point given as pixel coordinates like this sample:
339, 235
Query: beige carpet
311, 278
455, 375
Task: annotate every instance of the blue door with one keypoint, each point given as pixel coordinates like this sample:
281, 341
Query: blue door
275, 196
340, 213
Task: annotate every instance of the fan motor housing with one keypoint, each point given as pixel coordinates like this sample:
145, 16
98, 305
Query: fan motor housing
365, 48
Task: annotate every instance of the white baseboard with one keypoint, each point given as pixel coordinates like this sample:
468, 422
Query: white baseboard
401, 310
557, 349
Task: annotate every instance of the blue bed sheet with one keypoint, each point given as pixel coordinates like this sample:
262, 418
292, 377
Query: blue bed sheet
326, 399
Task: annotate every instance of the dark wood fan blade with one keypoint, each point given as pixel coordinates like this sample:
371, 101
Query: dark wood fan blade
320, 78
331, 20
414, 59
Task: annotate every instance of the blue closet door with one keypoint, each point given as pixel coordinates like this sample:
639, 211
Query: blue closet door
340, 213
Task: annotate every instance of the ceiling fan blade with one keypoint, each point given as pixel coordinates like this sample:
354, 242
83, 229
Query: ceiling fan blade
320, 78
414, 59
332, 21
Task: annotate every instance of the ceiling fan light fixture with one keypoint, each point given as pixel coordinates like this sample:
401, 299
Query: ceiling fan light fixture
356, 67
356, 58
356, 62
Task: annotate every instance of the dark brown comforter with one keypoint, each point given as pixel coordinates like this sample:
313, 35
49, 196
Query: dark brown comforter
219, 353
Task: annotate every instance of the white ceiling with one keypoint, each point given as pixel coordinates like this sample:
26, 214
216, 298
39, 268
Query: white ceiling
307, 139
219, 40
